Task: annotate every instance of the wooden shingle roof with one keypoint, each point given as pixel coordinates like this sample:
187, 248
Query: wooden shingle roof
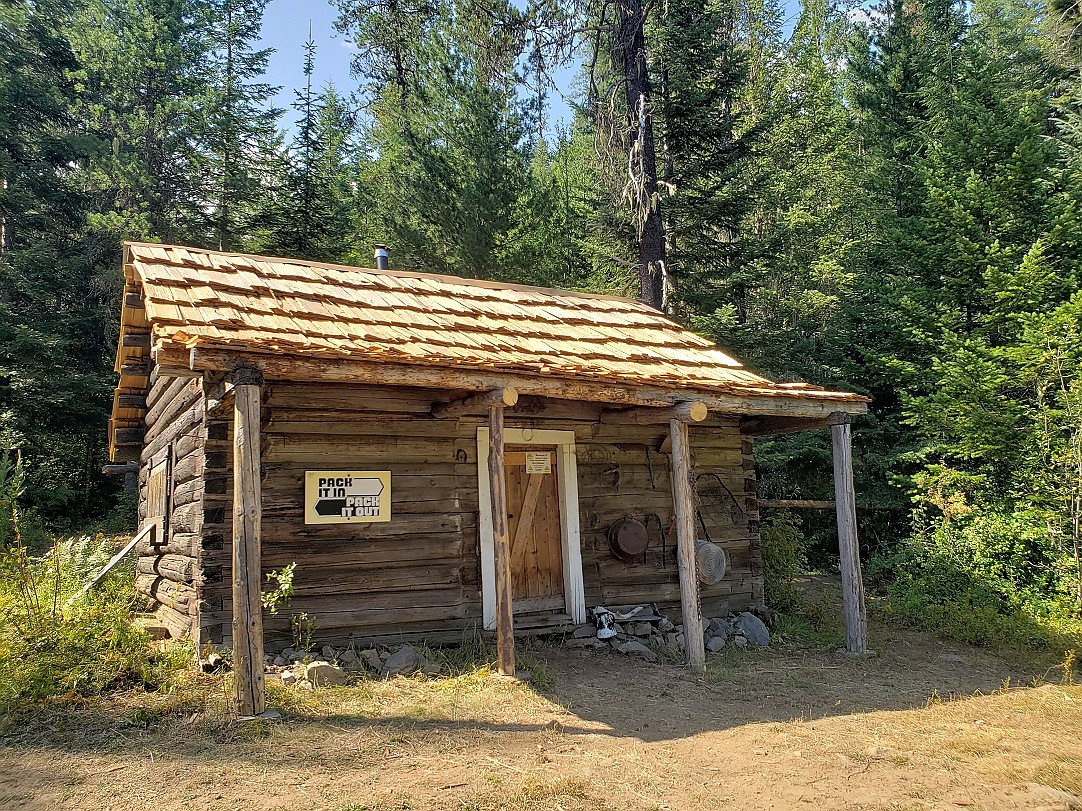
210, 300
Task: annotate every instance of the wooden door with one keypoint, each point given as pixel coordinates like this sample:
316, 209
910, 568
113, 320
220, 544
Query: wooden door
533, 517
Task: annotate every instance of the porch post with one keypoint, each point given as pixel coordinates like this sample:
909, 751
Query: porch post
248, 690
856, 624
684, 506
505, 629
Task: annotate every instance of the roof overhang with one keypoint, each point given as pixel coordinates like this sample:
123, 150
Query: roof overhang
797, 403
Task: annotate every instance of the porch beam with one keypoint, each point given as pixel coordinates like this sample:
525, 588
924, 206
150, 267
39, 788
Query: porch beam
248, 689
505, 623
507, 396
689, 411
777, 426
331, 370
684, 504
856, 623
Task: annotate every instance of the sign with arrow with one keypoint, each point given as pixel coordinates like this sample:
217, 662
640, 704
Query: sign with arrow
347, 496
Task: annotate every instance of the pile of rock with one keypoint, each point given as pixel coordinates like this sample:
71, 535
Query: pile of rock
652, 640
332, 667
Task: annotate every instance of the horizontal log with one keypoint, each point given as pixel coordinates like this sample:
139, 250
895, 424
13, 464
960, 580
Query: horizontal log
134, 401
311, 581
166, 433
282, 367
813, 504
179, 625
187, 518
387, 620
351, 398
120, 469
128, 436
690, 411
178, 396
126, 453
180, 597
178, 568
139, 368
188, 468
180, 543
139, 340
475, 402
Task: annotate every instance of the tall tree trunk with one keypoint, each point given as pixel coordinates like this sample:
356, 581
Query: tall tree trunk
630, 53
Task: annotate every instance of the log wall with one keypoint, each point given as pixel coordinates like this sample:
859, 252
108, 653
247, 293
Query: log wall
419, 575
167, 570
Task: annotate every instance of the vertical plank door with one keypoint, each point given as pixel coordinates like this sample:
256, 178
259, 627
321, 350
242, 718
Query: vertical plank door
533, 512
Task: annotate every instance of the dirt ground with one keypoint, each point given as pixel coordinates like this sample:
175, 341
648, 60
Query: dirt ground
924, 725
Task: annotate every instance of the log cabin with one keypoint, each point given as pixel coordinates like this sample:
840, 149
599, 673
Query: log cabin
436, 455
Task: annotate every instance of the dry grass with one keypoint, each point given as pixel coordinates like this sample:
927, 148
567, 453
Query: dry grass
780, 728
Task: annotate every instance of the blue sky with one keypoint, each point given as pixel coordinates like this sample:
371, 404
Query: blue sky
285, 28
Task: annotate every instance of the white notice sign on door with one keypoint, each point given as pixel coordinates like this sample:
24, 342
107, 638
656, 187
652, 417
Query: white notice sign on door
538, 462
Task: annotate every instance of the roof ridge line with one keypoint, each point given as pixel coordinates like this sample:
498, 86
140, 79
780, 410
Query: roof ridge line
414, 274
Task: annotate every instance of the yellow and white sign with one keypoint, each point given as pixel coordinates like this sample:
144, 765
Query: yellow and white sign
347, 496
538, 462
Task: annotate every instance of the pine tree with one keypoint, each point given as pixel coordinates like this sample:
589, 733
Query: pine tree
54, 381
140, 63
311, 216
239, 142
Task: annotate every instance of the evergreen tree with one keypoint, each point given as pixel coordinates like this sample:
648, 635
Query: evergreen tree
312, 218
56, 282
140, 63
240, 145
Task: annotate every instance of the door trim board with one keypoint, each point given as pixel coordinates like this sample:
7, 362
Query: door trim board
567, 488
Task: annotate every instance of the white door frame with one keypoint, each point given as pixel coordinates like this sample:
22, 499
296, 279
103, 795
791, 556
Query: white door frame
568, 489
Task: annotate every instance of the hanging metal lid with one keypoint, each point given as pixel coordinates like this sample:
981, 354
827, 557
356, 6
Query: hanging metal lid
628, 539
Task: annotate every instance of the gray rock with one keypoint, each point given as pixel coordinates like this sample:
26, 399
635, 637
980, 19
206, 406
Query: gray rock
665, 625
348, 656
287, 653
715, 643
720, 627
618, 628
754, 629
672, 639
289, 678
642, 629
403, 661
371, 658
635, 648
583, 631
329, 653
615, 643
279, 661
384, 655
740, 641
296, 656
324, 674
680, 640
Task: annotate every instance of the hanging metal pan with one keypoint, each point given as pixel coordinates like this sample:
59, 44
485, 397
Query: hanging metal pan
628, 539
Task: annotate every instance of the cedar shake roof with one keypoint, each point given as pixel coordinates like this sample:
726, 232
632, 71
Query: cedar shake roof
195, 298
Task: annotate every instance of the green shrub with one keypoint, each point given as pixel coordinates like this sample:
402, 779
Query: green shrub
49, 648
988, 580
783, 559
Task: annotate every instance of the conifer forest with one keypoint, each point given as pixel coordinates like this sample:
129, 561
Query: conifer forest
881, 197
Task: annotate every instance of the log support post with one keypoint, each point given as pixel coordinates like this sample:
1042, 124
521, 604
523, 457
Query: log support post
684, 504
249, 691
856, 624
505, 628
